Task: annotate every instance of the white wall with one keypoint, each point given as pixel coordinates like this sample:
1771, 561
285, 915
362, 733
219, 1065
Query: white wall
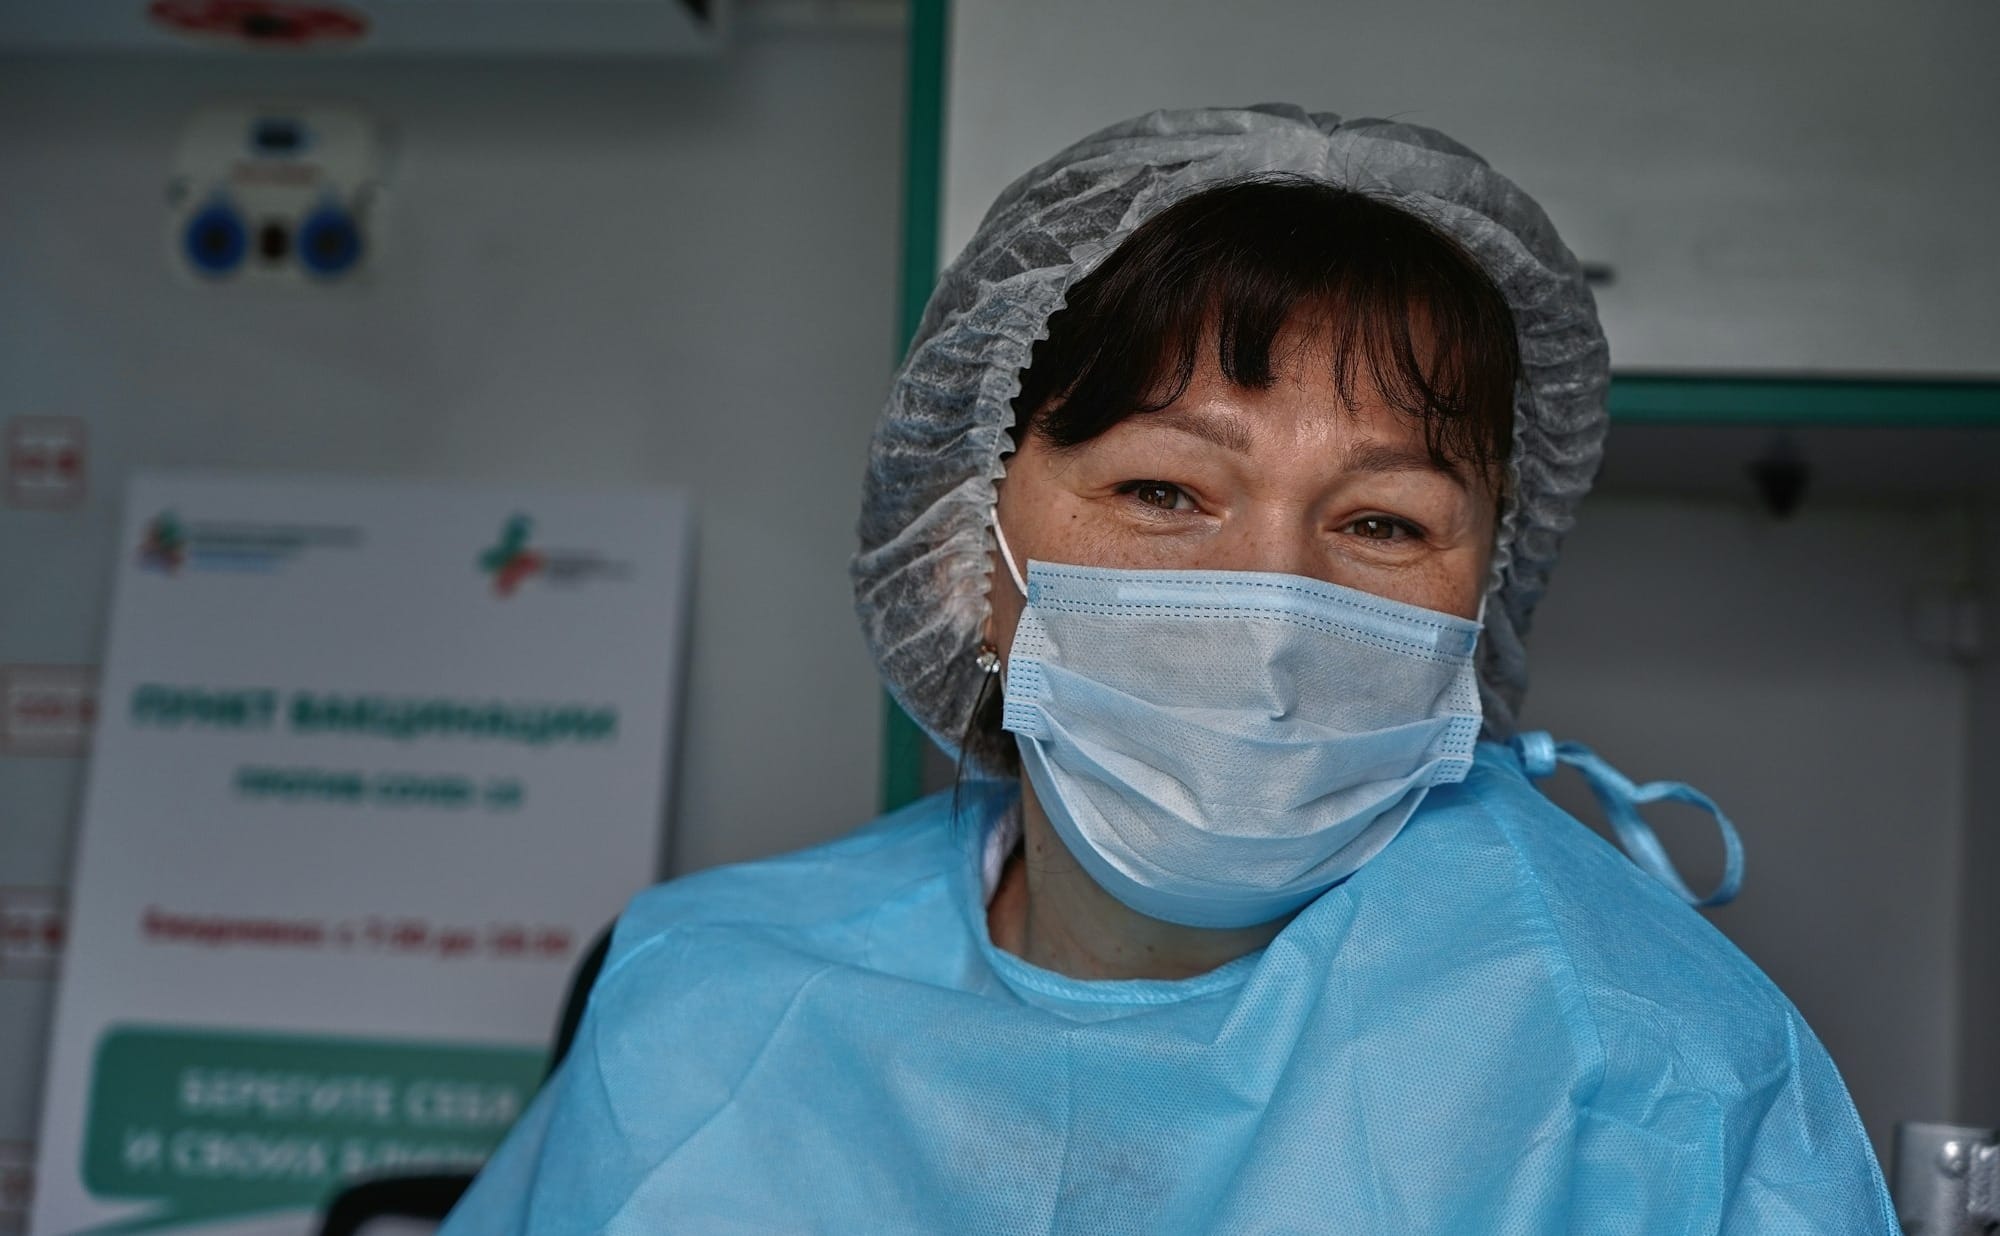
1789, 184
681, 272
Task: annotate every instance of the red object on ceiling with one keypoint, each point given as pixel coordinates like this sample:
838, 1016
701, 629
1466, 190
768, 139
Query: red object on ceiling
260, 23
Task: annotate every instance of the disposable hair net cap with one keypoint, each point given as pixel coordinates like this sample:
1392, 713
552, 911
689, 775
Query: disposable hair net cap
920, 578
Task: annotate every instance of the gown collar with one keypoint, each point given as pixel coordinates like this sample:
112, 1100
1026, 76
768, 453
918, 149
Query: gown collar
990, 830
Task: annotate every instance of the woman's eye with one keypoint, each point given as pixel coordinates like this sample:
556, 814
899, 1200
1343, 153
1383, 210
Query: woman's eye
1160, 494
1382, 528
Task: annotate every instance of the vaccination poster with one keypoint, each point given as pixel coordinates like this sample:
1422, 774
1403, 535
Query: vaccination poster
375, 763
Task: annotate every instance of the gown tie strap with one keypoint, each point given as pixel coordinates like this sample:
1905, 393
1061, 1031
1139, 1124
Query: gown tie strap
1621, 799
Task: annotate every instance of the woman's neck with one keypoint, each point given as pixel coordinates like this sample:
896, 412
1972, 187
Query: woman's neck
1050, 913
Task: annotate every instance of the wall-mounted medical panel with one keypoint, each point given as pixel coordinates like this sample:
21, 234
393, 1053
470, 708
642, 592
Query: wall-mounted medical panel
274, 194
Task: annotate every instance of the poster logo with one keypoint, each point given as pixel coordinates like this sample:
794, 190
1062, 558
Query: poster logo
165, 547
170, 544
511, 562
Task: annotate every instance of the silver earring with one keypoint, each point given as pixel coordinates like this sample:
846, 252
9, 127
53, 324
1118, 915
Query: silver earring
988, 659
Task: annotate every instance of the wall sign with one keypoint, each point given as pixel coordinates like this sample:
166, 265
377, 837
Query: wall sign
17, 1185
32, 929
47, 709
45, 461
375, 762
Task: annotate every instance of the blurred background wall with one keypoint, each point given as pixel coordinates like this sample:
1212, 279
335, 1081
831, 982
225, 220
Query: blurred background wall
593, 274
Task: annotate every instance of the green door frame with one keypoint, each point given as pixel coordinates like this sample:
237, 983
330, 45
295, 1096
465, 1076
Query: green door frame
923, 186
1636, 398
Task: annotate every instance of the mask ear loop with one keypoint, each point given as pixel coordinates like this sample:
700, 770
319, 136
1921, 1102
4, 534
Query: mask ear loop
988, 657
1007, 555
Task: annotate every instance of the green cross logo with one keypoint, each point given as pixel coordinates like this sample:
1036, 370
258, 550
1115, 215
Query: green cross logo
511, 561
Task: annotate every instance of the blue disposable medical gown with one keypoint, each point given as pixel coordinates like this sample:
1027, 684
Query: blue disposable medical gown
1499, 1025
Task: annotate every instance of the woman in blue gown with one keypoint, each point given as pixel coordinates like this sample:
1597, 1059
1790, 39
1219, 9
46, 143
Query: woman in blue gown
1204, 523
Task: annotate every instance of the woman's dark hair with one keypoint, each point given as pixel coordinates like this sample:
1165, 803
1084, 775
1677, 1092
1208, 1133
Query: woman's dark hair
1400, 306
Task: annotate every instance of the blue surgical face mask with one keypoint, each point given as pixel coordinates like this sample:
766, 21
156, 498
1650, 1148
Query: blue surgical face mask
1217, 748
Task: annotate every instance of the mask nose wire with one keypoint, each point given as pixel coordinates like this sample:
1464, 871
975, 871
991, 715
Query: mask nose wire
1007, 555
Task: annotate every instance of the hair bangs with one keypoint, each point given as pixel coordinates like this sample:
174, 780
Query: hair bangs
1250, 271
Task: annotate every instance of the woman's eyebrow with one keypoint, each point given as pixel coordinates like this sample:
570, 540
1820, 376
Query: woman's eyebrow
1224, 430
1370, 456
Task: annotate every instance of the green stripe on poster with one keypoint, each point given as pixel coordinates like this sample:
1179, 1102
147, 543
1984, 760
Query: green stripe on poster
213, 1126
